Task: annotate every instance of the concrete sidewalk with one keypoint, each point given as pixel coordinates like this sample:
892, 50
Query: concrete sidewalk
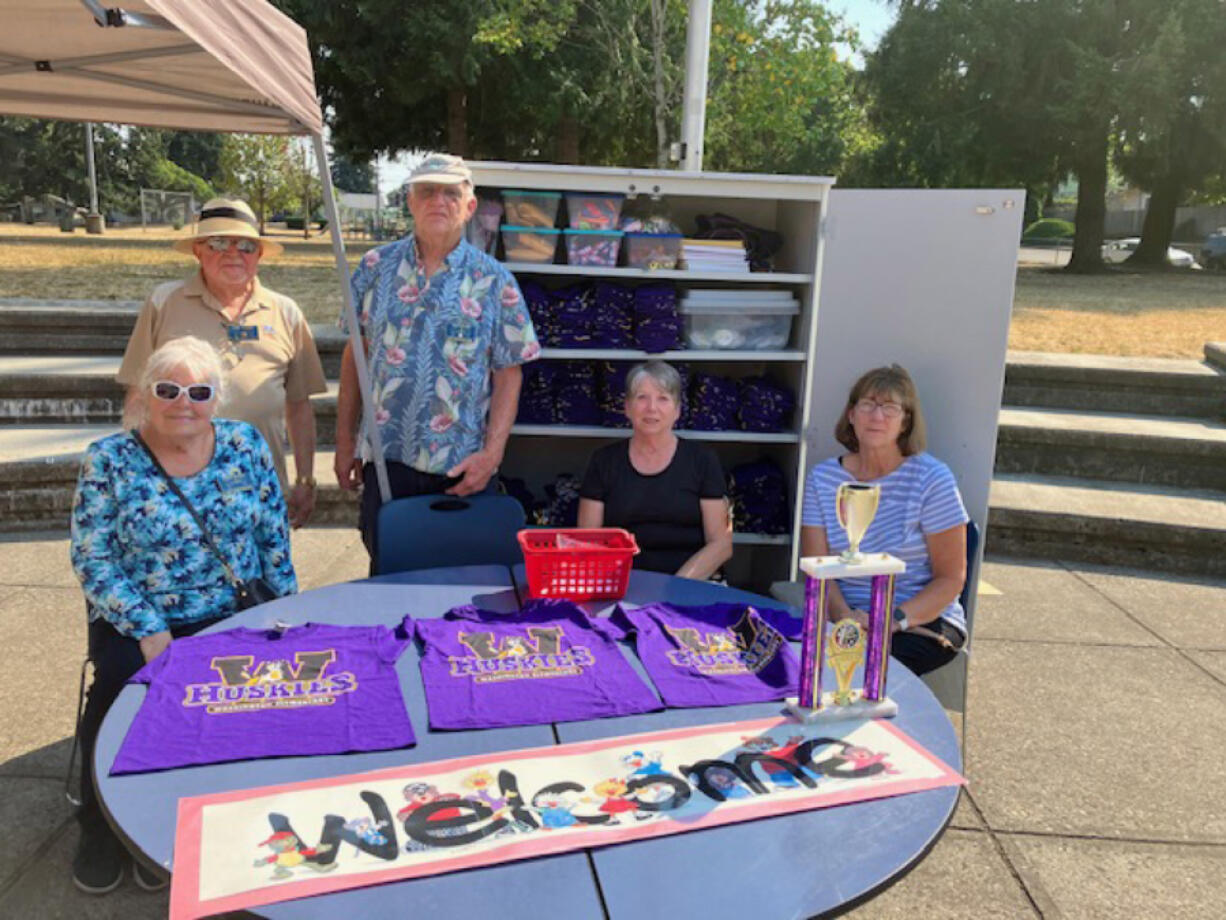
1096, 751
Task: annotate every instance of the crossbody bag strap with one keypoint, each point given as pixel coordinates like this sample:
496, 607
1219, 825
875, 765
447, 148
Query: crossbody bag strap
191, 509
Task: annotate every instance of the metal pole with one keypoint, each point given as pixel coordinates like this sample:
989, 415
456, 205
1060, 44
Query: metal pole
89, 163
351, 314
694, 105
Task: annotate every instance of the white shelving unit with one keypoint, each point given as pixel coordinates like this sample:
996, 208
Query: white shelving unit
795, 207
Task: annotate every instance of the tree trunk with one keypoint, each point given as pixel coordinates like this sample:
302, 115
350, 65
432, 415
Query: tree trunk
1091, 168
568, 139
457, 121
1159, 224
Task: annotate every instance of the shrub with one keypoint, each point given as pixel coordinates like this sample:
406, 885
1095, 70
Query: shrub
1049, 228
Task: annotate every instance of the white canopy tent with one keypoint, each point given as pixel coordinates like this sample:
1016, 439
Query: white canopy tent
221, 65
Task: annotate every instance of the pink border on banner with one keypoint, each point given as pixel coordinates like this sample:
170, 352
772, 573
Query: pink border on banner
185, 880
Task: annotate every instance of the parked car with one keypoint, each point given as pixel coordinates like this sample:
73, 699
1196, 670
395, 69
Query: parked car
1116, 251
1213, 250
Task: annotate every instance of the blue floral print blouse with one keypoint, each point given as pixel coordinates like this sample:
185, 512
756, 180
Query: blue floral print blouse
139, 554
432, 344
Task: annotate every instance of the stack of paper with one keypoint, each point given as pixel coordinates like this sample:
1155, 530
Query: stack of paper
714, 255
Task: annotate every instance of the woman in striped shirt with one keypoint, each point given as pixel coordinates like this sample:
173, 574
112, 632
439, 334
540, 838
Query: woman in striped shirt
920, 519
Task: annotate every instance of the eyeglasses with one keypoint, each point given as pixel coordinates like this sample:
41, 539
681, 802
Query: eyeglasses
888, 409
242, 244
453, 193
169, 391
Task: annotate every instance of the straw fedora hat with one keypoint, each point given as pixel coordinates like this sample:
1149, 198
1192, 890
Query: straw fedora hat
228, 217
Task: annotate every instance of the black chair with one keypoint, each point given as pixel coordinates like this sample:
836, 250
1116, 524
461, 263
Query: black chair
948, 682
431, 531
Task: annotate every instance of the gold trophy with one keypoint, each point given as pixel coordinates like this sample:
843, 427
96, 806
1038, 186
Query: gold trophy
855, 505
845, 652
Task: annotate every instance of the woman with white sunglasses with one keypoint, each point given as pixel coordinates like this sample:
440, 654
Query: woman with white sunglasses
147, 570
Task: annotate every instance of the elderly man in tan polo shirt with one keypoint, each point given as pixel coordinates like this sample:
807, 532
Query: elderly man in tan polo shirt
266, 346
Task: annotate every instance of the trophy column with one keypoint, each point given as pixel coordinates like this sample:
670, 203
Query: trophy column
848, 644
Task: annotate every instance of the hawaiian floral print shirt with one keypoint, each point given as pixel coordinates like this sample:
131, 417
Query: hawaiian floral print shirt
432, 344
138, 552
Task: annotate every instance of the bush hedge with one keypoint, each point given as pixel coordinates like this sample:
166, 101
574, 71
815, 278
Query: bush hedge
1049, 228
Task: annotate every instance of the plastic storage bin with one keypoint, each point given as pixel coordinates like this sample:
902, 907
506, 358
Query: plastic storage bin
593, 247
529, 244
594, 212
652, 250
578, 564
531, 209
747, 320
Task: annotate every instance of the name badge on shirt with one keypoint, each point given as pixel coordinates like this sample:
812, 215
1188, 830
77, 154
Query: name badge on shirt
457, 329
243, 333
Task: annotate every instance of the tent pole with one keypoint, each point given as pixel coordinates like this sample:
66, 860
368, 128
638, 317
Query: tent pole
351, 314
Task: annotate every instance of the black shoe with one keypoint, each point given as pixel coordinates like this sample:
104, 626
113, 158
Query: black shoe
98, 866
146, 878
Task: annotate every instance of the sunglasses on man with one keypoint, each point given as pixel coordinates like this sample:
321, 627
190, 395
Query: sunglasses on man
220, 244
169, 391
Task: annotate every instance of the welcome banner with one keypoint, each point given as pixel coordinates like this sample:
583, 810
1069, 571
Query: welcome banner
241, 849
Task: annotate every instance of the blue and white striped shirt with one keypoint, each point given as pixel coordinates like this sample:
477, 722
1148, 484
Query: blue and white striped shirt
919, 498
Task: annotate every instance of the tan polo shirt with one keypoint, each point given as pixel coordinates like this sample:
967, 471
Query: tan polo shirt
281, 363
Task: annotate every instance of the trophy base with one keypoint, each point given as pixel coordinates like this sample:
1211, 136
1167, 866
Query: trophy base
831, 712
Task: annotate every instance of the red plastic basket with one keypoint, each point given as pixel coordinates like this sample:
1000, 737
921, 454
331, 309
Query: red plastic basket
585, 573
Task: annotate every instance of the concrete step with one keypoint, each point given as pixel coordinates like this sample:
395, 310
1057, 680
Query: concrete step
1145, 527
101, 328
1144, 450
1099, 383
39, 466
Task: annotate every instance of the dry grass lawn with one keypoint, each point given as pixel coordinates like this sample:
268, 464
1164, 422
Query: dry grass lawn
1168, 314
1163, 314
127, 264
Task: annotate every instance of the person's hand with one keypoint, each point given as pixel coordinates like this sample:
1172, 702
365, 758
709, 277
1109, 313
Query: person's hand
152, 646
301, 503
477, 469
347, 467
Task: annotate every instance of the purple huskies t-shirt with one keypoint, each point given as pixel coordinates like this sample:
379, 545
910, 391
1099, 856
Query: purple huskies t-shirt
549, 662
715, 655
248, 693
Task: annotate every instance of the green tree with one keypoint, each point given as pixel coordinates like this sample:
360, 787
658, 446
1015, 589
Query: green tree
779, 98
984, 92
172, 177
302, 184
198, 152
1172, 137
399, 76
254, 167
352, 174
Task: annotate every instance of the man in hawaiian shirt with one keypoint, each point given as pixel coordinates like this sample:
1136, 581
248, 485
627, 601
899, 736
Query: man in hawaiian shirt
446, 330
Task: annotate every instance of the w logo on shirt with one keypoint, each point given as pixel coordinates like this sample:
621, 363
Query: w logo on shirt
542, 640
747, 646
237, 670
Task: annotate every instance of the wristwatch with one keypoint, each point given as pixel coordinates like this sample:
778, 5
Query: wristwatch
305, 481
900, 618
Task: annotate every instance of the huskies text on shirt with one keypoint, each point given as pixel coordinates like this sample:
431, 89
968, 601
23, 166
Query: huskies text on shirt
716, 654
919, 498
248, 693
549, 662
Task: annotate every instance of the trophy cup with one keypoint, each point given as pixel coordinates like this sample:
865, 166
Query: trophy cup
855, 505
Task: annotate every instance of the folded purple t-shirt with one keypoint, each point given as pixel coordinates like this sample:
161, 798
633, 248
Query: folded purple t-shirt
715, 655
549, 662
248, 693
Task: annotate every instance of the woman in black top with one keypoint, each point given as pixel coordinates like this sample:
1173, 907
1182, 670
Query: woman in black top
667, 491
